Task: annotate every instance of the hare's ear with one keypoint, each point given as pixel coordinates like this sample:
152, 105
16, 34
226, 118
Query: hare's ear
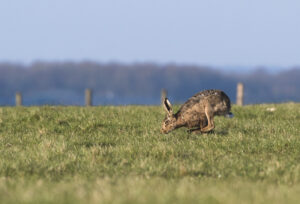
168, 106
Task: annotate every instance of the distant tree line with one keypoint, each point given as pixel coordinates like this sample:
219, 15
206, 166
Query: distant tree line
114, 83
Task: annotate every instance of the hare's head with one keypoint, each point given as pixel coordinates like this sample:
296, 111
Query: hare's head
169, 123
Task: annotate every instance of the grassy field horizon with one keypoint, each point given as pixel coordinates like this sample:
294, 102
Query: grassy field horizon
116, 154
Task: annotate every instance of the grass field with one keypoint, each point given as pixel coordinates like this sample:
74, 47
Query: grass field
118, 155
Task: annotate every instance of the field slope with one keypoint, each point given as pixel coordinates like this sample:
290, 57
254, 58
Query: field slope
118, 155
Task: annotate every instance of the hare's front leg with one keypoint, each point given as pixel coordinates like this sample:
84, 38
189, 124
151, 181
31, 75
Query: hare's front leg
196, 130
202, 124
210, 119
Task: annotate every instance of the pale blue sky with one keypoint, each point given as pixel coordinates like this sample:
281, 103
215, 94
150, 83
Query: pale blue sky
210, 32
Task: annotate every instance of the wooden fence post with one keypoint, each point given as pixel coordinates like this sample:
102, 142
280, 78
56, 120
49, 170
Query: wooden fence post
18, 99
88, 97
240, 94
164, 94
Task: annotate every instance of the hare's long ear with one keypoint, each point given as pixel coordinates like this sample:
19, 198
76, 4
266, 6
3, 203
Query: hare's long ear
168, 106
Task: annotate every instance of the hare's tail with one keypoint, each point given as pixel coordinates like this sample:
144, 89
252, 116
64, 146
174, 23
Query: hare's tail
229, 115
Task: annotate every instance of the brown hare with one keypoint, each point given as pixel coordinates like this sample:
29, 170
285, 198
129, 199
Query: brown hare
197, 112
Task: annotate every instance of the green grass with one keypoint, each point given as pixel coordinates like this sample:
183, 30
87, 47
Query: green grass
118, 155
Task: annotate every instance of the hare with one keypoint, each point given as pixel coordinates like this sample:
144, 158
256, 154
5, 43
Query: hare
197, 112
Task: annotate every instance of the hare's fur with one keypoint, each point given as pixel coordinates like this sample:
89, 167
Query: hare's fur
198, 112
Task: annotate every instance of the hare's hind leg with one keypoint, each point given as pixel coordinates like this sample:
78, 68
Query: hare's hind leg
203, 123
210, 119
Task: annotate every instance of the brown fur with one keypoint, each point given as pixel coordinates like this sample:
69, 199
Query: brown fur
197, 112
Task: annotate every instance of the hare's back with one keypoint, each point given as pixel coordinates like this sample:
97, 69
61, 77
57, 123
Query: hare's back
195, 104
216, 98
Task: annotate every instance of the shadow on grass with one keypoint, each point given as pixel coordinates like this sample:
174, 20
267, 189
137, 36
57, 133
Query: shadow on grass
210, 133
174, 173
221, 132
97, 144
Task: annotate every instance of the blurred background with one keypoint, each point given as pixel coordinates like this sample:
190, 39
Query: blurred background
126, 52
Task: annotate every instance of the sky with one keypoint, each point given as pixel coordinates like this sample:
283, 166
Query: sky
245, 33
